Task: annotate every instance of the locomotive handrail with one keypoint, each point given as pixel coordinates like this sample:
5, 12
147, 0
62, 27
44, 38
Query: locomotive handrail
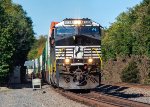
98, 56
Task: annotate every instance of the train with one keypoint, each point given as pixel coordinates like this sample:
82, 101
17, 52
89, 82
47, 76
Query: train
71, 58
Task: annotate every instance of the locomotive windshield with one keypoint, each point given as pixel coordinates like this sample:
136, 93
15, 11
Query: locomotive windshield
89, 30
77, 35
65, 31
80, 30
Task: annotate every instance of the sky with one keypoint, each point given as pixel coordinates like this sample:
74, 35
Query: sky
43, 12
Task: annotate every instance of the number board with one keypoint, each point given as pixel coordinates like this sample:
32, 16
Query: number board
82, 22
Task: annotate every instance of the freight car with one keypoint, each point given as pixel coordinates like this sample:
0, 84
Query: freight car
71, 58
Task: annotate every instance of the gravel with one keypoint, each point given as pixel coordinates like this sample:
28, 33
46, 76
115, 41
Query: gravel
26, 97
47, 97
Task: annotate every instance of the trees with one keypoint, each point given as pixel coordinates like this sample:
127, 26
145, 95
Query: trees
141, 28
16, 36
118, 39
6, 50
37, 47
130, 34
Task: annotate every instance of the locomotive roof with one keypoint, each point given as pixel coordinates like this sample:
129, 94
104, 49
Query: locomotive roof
92, 23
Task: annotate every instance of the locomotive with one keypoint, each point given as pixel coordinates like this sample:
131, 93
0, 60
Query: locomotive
71, 58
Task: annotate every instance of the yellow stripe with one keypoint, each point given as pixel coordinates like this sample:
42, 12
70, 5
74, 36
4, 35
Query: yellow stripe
98, 56
51, 69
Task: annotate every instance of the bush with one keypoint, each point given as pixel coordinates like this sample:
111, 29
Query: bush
131, 73
4, 69
147, 81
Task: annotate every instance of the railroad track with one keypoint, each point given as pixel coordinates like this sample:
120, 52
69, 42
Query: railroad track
117, 101
96, 99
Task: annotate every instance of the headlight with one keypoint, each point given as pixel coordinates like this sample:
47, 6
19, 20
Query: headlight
77, 22
67, 61
90, 60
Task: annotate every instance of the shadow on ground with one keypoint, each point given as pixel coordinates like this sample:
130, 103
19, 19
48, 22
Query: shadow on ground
27, 84
116, 91
20, 86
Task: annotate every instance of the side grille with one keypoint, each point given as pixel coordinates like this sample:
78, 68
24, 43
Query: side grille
67, 52
92, 52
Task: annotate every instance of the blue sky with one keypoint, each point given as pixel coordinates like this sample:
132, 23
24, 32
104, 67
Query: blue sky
43, 12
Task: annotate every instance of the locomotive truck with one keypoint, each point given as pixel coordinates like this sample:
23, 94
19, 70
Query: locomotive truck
71, 58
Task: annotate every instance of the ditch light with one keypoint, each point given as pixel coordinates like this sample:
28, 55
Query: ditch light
90, 60
67, 61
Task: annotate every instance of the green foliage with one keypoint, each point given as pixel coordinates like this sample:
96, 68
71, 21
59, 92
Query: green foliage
37, 47
130, 34
4, 70
130, 73
16, 36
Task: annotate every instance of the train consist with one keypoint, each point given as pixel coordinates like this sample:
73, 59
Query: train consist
71, 58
